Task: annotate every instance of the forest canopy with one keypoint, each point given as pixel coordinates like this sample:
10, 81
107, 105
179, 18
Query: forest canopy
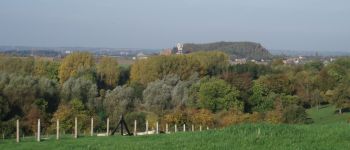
199, 88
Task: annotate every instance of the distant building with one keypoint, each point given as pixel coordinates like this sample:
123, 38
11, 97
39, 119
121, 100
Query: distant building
166, 52
179, 48
122, 53
328, 61
239, 61
294, 60
140, 56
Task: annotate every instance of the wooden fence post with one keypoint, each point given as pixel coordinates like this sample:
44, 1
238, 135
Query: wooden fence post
157, 128
76, 128
200, 127
92, 127
175, 128
38, 134
166, 128
207, 128
192, 128
146, 126
57, 129
17, 131
184, 128
107, 126
135, 127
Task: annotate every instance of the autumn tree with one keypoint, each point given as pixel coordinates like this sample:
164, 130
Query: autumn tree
74, 62
45, 68
17, 65
157, 67
108, 71
66, 114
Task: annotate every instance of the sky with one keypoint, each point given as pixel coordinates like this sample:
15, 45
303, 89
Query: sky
313, 25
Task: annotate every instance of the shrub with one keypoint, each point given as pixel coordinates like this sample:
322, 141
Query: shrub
294, 114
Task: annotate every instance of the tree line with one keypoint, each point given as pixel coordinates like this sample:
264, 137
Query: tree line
197, 88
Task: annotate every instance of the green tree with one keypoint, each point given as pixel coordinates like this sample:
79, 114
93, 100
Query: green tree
119, 101
157, 96
216, 94
66, 114
81, 89
4, 108
340, 96
261, 100
45, 68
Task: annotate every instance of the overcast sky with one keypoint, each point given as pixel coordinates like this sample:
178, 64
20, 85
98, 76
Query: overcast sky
276, 24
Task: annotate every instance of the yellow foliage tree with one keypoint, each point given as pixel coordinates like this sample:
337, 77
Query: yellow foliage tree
73, 62
275, 116
108, 71
157, 67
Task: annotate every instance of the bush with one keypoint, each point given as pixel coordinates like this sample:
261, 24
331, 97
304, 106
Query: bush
140, 117
294, 114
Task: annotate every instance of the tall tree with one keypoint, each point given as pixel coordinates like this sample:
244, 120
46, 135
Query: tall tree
119, 101
216, 94
108, 71
73, 63
82, 89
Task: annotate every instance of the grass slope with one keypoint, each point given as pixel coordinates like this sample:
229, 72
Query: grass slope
279, 137
327, 114
329, 131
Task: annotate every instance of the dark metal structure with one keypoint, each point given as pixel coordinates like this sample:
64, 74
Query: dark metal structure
122, 125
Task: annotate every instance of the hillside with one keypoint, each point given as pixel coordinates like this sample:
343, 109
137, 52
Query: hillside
234, 49
329, 131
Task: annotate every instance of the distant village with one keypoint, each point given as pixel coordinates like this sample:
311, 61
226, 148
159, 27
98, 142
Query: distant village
139, 54
289, 60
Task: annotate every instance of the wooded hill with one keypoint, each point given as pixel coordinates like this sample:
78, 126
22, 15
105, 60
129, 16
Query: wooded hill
249, 50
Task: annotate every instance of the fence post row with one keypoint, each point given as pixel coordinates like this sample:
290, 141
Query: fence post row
107, 132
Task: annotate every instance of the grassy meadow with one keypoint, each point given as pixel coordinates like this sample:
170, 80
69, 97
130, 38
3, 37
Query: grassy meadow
329, 131
245, 136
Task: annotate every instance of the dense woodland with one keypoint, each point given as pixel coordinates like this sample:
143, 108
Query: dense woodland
197, 88
248, 50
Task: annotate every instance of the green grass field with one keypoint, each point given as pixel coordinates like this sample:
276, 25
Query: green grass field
327, 114
330, 131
